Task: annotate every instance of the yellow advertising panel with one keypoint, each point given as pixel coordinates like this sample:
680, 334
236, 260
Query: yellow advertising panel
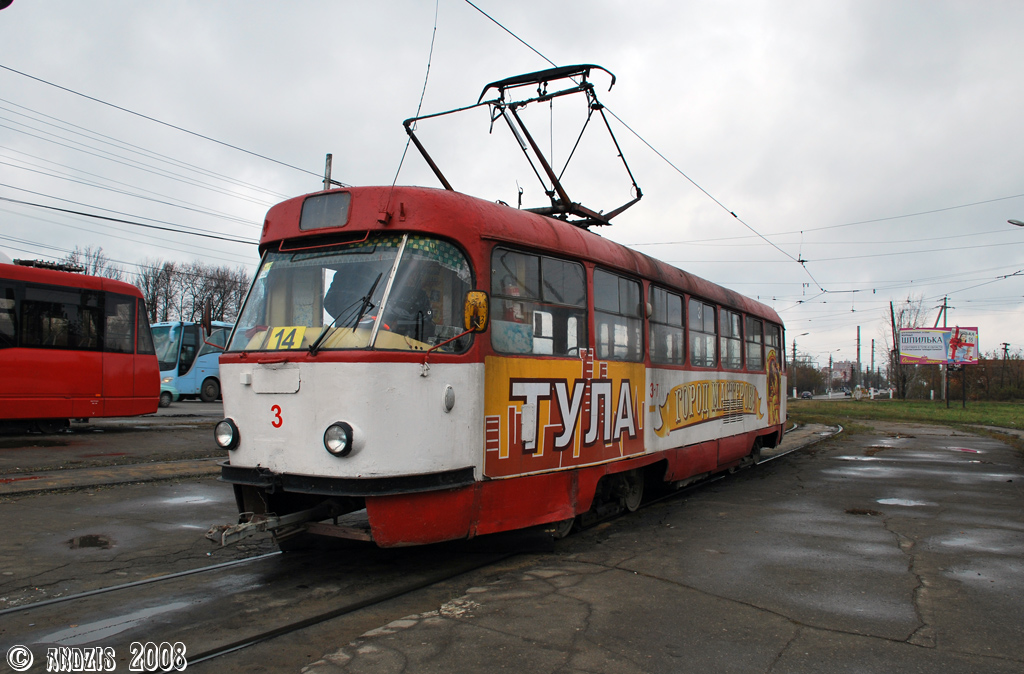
547, 414
711, 396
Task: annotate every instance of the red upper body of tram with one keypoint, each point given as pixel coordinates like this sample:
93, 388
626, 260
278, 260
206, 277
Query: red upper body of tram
459, 367
72, 346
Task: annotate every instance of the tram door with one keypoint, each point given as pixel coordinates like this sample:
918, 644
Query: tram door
118, 354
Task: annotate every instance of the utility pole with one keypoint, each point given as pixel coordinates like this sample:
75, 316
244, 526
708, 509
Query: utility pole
1002, 371
895, 371
943, 314
857, 377
872, 370
327, 173
793, 361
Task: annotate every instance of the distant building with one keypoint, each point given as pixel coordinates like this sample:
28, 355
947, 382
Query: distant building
840, 373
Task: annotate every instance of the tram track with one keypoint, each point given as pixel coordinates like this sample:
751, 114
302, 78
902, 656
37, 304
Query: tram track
226, 608
136, 583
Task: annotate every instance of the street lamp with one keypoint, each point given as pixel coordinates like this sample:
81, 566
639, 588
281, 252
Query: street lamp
831, 375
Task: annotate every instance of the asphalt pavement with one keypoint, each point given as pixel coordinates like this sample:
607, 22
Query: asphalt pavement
898, 549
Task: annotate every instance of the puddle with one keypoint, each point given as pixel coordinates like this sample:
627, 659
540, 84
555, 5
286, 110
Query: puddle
104, 629
964, 449
187, 500
904, 502
91, 541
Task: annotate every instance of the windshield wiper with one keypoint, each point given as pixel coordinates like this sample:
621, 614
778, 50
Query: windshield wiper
365, 304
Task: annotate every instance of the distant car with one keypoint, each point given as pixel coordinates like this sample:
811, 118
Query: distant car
168, 395
806, 395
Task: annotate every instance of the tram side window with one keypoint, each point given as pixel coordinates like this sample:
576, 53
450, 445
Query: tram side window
539, 304
667, 345
118, 335
702, 334
732, 340
62, 319
773, 342
755, 348
618, 325
8, 318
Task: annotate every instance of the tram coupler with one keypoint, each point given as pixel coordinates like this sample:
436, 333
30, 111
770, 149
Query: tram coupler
229, 534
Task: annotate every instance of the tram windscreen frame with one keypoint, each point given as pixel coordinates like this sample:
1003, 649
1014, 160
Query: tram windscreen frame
389, 291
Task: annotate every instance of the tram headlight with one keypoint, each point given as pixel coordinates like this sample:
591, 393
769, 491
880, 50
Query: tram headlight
226, 435
338, 438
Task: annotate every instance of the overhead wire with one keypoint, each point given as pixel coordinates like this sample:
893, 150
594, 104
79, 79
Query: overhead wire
181, 230
132, 163
158, 121
67, 252
95, 135
798, 260
76, 223
194, 208
423, 94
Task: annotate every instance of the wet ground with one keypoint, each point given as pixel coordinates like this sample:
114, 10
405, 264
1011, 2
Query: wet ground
899, 549
182, 431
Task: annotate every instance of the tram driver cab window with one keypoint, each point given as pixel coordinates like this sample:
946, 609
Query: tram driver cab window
539, 304
391, 291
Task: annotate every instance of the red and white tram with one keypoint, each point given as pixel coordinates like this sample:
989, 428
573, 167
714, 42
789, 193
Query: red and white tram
363, 372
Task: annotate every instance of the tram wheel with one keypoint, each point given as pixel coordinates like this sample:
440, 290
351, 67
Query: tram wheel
755, 451
632, 490
560, 530
210, 390
51, 426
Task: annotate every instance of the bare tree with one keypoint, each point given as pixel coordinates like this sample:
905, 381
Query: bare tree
183, 290
173, 290
906, 314
149, 280
95, 262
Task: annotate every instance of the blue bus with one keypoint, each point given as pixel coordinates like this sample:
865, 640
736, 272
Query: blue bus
189, 363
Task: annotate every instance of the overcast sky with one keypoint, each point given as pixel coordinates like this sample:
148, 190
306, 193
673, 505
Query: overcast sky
878, 142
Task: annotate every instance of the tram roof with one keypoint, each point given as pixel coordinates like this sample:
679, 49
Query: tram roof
465, 219
68, 279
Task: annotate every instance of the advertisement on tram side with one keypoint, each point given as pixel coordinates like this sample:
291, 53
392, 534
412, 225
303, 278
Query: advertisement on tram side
543, 415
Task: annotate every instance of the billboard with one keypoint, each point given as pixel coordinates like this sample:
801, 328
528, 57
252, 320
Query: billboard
953, 346
963, 346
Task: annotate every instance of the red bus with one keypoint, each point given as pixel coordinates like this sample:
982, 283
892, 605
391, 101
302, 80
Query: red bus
72, 346
363, 373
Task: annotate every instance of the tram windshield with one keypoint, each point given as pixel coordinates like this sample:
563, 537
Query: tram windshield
389, 291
